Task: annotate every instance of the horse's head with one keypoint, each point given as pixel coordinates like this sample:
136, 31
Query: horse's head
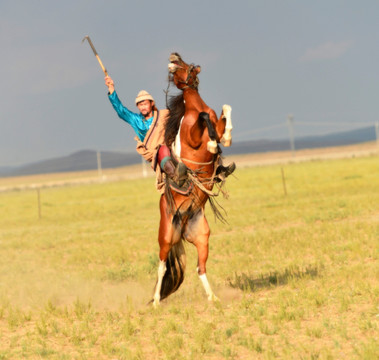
184, 75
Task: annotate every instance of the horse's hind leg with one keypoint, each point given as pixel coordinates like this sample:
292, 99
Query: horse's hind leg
164, 238
211, 296
203, 250
198, 233
169, 238
158, 286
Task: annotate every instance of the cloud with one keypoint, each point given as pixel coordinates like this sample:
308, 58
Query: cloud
326, 51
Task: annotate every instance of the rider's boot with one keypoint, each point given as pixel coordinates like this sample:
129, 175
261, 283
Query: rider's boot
178, 174
222, 172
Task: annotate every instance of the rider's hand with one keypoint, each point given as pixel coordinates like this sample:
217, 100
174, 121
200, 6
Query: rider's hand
109, 82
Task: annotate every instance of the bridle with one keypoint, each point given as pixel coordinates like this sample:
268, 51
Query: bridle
194, 85
195, 80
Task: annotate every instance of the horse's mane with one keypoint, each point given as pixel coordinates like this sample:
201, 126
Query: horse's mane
175, 103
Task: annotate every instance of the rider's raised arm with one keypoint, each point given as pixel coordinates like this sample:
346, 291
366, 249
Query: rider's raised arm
133, 119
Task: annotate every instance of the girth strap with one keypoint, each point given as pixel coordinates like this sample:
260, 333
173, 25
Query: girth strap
198, 163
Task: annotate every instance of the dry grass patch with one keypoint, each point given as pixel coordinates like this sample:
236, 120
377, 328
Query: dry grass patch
297, 274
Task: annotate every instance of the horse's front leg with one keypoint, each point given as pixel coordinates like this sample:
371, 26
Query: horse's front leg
198, 233
226, 115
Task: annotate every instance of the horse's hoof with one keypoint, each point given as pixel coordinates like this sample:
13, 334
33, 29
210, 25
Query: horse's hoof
155, 303
213, 298
212, 147
226, 109
226, 139
226, 143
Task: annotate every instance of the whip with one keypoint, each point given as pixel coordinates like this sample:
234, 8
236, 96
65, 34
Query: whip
95, 52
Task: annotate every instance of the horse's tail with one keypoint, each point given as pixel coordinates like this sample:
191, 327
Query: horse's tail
175, 268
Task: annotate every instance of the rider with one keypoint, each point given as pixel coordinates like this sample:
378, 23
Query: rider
148, 125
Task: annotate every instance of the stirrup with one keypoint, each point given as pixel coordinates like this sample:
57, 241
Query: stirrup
185, 189
222, 172
180, 174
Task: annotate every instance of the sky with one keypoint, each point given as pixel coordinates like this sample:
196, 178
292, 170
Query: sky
317, 60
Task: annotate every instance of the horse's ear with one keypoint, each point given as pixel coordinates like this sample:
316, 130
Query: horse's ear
198, 69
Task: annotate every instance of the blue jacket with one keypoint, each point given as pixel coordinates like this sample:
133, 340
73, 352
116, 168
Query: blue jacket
137, 121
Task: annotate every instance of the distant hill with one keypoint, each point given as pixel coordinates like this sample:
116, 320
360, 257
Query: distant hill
87, 159
78, 161
307, 142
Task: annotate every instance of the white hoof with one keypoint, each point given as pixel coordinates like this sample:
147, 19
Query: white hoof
212, 146
226, 139
213, 298
227, 110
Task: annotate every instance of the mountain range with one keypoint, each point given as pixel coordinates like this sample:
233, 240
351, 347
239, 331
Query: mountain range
88, 159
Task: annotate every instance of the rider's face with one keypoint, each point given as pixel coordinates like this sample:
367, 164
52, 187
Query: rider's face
146, 108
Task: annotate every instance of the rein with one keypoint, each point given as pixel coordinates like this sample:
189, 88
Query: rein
201, 182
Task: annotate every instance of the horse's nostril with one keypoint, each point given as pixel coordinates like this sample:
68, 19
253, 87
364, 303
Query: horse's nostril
172, 67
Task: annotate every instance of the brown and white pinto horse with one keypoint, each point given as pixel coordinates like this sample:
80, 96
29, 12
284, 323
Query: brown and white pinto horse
197, 131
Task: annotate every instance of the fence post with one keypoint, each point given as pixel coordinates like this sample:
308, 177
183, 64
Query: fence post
284, 182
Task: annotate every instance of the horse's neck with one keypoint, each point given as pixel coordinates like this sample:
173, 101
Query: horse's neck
193, 100
177, 146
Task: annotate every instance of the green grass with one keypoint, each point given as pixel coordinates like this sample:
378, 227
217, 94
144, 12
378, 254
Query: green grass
297, 274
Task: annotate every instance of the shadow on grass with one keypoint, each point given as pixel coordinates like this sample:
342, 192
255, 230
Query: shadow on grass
248, 282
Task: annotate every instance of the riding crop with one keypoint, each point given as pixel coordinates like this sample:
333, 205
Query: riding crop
95, 52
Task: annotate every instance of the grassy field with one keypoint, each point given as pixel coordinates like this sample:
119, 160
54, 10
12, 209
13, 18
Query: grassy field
296, 272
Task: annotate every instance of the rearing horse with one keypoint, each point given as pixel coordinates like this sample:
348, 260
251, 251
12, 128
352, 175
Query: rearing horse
197, 131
